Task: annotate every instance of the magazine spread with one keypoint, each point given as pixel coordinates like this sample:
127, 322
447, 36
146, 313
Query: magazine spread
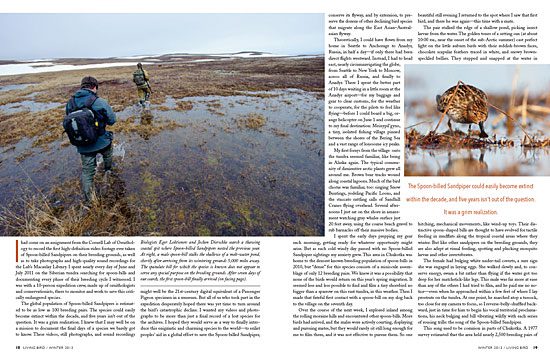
297, 177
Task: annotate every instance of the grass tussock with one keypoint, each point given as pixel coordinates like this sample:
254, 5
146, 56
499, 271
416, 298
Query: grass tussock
145, 125
253, 121
535, 142
215, 107
279, 132
24, 155
45, 125
262, 95
184, 106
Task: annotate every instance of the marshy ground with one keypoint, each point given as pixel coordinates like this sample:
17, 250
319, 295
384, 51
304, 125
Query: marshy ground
228, 147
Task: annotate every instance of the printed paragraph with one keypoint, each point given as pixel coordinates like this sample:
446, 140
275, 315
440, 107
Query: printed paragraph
472, 37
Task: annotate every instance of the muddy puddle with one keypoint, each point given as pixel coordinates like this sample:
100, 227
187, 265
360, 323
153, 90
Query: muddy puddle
237, 165
27, 105
4, 88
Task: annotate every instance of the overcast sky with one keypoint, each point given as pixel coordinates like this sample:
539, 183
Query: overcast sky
36, 36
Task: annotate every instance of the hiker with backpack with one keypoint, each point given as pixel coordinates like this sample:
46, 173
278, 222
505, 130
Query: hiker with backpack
141, 79
87, 116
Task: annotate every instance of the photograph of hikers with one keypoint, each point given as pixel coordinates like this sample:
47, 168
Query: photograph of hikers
477, 120
187, 125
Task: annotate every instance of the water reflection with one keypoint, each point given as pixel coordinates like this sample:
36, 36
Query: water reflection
468, 166
112, 187
27, 105
14, 87
506, 161
146, 118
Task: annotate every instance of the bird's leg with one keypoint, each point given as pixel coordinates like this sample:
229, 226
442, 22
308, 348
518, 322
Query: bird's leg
481, 155
469, 130
482, 133
450, 127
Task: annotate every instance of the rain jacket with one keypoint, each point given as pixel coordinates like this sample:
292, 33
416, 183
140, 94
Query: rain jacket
104, 114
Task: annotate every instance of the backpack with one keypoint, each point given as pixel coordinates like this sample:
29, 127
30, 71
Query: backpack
80, 124
139, 77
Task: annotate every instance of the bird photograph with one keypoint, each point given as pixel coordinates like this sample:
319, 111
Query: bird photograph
500, 113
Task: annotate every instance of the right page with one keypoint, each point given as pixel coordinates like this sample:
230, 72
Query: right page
437, 175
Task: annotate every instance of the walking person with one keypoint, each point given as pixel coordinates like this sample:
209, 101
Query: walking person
87, 118
141, 79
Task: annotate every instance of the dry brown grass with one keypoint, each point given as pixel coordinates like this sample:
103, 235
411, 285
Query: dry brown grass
184, 106
45, 124
251, 121
535, 142
145, 125
214, 107
23, 155
35, 215
178, 79
262, 95
279, 132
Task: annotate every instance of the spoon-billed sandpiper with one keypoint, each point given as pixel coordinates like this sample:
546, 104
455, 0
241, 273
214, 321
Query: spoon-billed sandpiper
469, 106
